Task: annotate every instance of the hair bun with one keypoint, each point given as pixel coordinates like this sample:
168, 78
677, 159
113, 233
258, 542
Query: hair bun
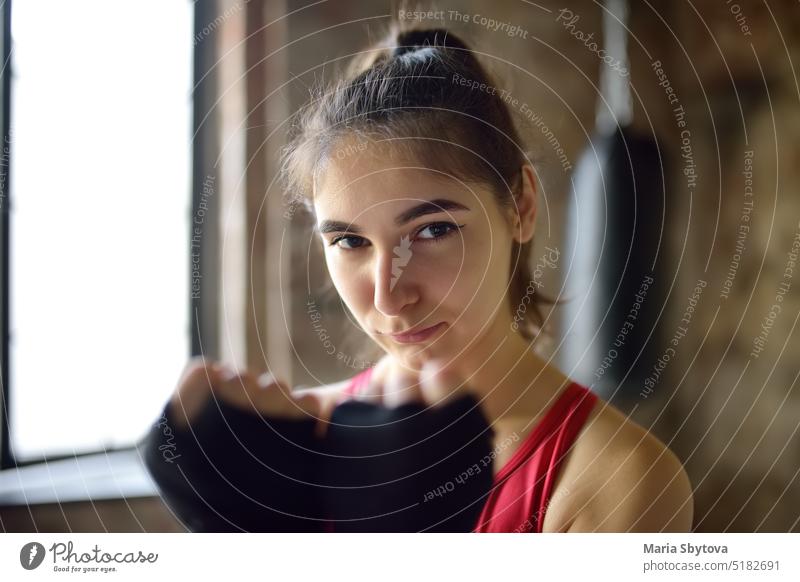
413, 40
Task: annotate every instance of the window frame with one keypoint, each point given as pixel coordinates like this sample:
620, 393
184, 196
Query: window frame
204, 151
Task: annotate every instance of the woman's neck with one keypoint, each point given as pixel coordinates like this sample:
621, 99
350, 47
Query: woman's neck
508, 377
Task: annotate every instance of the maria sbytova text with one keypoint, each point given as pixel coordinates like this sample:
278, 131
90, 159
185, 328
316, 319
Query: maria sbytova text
197, 233
694, 549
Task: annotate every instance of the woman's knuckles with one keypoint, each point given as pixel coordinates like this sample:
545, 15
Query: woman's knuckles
309, 405
193, 390
233, 388
243, 389
265, 395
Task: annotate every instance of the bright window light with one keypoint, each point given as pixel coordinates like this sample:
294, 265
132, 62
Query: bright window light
100, 161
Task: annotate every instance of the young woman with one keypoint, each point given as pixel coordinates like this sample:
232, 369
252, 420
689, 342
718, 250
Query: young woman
425, 204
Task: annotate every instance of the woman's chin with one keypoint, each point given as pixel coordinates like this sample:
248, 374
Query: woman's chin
414, 355
415, 359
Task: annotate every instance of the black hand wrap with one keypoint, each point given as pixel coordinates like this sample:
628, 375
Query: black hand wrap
238, 471
406, 469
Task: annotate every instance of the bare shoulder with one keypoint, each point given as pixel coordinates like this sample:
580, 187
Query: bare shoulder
619, 477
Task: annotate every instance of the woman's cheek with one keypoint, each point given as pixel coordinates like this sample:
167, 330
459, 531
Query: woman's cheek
485, 281
335, 272
352, 289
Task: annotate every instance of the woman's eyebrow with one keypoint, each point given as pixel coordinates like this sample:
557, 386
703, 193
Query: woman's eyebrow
427, 207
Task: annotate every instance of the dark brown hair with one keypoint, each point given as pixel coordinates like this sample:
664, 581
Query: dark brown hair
425, 90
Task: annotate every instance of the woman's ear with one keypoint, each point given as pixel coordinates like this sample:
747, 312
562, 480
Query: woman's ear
524, 215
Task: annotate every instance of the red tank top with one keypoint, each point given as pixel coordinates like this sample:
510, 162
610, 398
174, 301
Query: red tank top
523, 486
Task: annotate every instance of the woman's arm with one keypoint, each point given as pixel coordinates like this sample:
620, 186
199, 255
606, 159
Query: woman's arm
642, 487
625, 480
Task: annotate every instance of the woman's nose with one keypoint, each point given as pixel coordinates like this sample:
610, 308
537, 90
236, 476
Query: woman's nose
393, 286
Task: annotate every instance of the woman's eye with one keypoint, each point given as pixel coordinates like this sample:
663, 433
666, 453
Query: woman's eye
353, 242
438, 230
431, 232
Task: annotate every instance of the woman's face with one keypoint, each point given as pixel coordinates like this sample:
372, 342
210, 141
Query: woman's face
409, 248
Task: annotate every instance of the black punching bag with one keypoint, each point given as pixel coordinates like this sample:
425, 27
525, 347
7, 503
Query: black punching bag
614, 241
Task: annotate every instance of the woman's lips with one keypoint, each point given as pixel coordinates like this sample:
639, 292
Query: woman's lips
417, 336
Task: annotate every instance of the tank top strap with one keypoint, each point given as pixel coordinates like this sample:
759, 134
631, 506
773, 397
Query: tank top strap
564, 419
524, 486
561, 434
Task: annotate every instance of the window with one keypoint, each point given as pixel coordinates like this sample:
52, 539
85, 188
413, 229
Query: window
100, 186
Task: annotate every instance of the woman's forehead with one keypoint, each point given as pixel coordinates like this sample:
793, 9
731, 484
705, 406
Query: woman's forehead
388, 190
366, 177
